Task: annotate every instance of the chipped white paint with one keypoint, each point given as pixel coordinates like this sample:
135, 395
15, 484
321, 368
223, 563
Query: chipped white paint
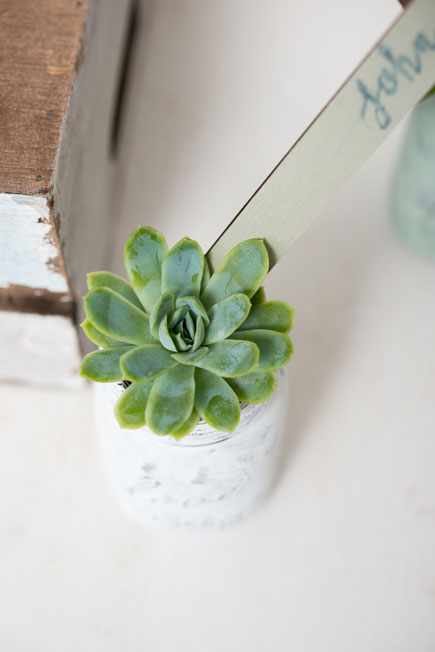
26, 245
39, 349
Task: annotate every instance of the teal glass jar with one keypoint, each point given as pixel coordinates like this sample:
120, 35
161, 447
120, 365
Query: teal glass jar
413, 188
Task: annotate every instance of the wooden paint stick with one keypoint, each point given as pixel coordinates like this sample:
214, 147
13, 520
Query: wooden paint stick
394, 76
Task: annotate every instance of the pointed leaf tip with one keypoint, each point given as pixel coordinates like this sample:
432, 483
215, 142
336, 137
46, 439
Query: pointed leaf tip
103, 366
215, 401
131, 405
271, 315
275, 348
171, 400
97, 337
187, 427
143, 256
255, 387
242, 271
114, 282
183, 269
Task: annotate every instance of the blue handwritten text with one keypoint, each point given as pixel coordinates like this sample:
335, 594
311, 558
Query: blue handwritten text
388, 79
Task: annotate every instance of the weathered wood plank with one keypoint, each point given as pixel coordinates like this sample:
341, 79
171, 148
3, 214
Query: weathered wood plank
32, 275
26, 226
39, 51
59, 68
86, 169
39, 349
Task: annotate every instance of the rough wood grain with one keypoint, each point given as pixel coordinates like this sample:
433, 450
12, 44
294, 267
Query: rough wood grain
59, 79
39, 51
85, 169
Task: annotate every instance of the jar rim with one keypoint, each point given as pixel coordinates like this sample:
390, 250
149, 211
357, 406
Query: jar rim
203, 434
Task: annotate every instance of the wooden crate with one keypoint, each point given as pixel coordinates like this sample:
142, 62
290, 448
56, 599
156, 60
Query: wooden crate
61, 69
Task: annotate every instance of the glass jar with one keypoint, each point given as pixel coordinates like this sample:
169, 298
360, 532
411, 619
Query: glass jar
413, 188
207, 481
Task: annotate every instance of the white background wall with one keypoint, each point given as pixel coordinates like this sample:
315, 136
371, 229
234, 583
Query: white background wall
219, 93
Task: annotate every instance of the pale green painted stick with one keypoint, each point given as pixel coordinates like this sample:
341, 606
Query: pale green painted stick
395, 75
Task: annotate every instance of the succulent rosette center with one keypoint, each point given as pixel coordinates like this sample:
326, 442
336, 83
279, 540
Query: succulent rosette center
179, 324
191, 345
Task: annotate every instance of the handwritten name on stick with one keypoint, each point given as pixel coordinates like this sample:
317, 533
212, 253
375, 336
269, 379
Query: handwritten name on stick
402, 67
342, 137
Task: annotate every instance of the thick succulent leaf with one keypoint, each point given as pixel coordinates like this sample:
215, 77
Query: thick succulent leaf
180, 343
194, 305
205, 276
255, 387
130, 407
171, 401
215, 401
182, 269
243, 270
191, 357
143, 255
190, 325
103, 366
97, 337
162, 308
226, 316
230, 358
275, 348
199, 334
114, 282
178, 315
272, 315
116, 317
165, 336
146, 362
259, 296
187, 426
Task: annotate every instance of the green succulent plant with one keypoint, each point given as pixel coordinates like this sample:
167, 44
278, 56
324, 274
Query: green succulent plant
189, 344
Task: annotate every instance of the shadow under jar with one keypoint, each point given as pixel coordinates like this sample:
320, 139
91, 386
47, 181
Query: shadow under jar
204, 482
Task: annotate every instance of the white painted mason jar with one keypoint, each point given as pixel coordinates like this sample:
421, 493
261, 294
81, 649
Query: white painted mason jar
204, 482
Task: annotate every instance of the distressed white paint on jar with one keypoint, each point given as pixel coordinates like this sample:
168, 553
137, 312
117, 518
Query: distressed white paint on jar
207, 481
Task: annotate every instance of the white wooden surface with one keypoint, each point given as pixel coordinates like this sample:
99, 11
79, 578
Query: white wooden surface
27, 249
342, 556
39, 350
